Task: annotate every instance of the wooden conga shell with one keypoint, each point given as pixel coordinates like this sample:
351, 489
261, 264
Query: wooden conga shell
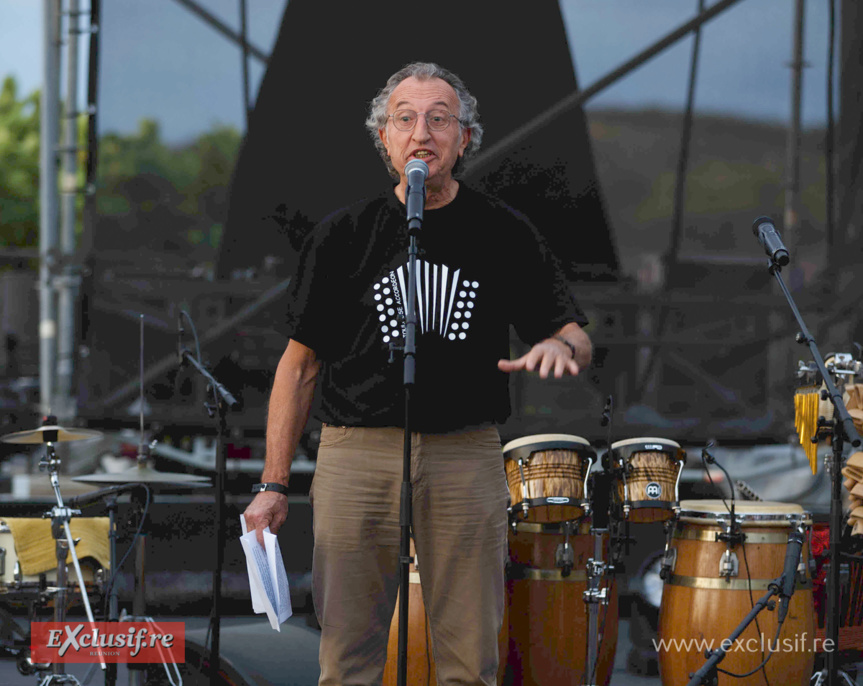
421, 666
698, 603
555, 467
548, 618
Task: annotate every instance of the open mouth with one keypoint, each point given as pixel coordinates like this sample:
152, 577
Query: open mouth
422, 154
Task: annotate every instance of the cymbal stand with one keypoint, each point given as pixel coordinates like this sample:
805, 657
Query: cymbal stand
60, 516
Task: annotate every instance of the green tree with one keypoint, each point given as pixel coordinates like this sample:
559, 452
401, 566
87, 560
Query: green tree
19, 167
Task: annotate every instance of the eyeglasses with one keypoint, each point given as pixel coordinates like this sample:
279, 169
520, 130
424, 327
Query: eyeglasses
436, 120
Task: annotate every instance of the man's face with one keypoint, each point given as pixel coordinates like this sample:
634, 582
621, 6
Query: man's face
438, 149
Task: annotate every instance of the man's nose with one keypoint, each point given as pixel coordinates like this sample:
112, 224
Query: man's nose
421, 129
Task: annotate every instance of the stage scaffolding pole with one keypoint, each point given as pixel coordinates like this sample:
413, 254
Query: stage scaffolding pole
48, 228
67, 282
792, 162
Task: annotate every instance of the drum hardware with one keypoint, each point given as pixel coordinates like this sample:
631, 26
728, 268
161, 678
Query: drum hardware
731, 535
48, 434
564, 555
525, 506
729, 565
594, 596
669, 556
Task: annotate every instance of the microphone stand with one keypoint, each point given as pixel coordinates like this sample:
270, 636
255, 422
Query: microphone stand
414, 221
707, 675
842, 430
224, 401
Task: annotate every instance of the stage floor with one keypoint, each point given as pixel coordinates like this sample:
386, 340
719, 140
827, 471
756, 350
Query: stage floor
286, 658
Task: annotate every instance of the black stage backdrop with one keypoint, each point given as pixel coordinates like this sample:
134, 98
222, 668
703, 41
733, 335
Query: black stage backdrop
307, 153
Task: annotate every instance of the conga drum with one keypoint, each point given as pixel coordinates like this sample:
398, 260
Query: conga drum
548, 616
698, 603
421, 667
647, 472
547, 474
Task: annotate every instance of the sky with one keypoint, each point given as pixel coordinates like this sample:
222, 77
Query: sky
743, 70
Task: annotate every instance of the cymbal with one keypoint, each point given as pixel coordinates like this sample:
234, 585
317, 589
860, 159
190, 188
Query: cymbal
147, 475
50, 434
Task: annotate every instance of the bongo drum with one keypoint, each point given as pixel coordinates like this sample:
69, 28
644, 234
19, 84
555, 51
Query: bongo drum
548, 616
700, 603
647, 472
547, 476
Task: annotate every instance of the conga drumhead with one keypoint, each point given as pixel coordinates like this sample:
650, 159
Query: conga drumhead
525, 446
751, 513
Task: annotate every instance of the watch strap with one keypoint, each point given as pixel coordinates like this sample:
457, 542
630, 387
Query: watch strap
270, 486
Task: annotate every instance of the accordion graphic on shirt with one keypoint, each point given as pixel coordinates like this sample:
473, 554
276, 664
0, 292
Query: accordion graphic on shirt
444, 304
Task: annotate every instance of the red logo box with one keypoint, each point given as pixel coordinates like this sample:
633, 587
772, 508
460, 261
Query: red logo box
122, 642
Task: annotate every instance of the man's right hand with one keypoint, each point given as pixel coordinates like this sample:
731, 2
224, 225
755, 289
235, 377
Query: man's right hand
267, 509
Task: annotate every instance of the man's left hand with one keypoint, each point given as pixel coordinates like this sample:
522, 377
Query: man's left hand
546, 356
553, 355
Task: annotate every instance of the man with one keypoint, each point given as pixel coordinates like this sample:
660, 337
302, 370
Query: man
482, 267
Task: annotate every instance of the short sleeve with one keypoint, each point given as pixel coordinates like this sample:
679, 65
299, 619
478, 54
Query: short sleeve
313, 303
543, 300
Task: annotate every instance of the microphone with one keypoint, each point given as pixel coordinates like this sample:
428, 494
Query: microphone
416, 172
789, 574
767, 235
101, 494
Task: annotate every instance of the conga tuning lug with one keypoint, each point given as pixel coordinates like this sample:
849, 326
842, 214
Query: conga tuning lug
728, 564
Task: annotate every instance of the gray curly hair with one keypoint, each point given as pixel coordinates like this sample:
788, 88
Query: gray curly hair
468, 116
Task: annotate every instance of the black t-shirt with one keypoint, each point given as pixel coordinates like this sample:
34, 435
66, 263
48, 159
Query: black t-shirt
482, 267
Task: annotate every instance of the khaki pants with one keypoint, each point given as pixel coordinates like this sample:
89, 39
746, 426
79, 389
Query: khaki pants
459, 524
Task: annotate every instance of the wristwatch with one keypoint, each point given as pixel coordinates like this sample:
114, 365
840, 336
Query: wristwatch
270, 486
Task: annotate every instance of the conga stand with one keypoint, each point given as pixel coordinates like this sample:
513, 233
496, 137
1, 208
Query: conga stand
843, 430
594, 597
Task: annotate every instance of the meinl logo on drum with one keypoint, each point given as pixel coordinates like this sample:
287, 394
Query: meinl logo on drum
120, 642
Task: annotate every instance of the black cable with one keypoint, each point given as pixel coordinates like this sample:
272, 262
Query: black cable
770, 651
704, 455
185, 314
